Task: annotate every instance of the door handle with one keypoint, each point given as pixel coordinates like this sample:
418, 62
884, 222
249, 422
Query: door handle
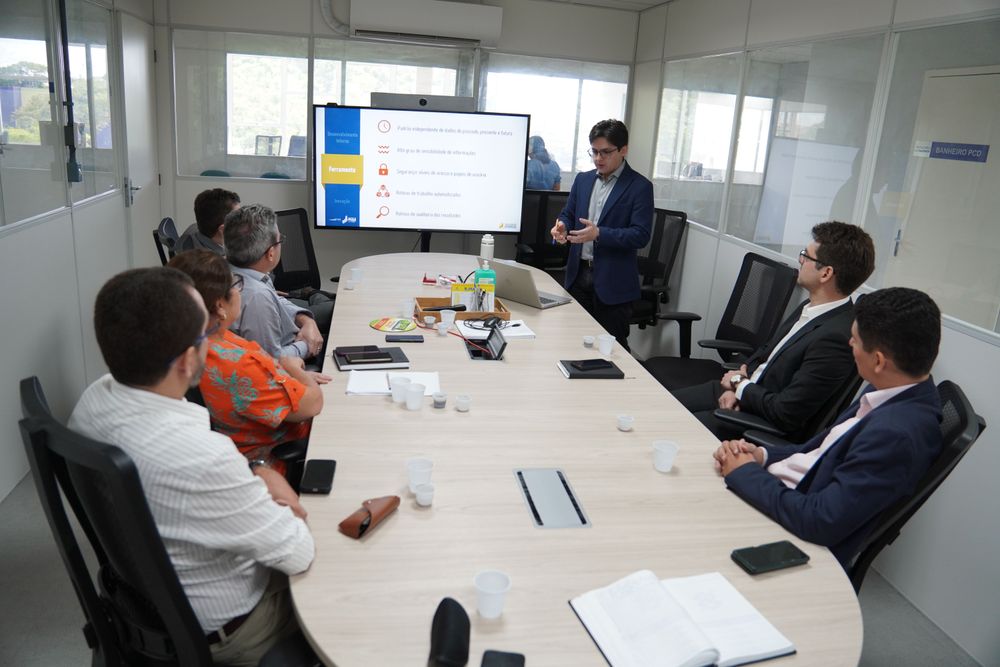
132, 189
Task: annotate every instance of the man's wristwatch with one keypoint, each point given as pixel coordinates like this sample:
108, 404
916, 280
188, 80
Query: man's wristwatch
734, 381
256, 463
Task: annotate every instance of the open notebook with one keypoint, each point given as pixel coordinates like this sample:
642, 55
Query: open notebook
640, 621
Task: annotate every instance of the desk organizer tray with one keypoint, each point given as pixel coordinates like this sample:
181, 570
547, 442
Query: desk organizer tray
500, 309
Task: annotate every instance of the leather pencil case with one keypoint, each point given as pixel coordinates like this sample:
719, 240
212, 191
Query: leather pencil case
371, 513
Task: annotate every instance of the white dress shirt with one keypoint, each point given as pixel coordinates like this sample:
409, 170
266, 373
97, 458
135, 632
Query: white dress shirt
808, 313
792, 469
218, 522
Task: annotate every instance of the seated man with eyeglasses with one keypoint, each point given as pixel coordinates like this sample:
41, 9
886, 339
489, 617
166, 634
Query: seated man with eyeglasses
253, 248
795, 374
607, 219
232, 534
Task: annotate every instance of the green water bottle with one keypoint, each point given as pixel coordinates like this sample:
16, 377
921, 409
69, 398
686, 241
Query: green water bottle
485, 297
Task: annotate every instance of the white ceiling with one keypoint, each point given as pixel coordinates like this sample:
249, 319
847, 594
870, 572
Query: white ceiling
628, 5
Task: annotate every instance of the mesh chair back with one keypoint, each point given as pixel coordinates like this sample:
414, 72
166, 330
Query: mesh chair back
656, 260
758, 301
298, 267
960, 428
539, 210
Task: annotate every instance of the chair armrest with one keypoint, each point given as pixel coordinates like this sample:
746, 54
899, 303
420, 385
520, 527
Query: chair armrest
678, 316
293, 450
335, 279
731, 346
747, 421
732, 366
684, 321
762, 439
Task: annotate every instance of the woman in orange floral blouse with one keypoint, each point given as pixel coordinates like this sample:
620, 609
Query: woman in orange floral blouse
256, 400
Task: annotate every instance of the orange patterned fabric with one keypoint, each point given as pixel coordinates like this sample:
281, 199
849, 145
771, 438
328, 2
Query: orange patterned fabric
249, 396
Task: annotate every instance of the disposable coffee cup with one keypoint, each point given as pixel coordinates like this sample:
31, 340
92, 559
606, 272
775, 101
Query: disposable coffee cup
348, 284
429, 320
415, 396
448, 317
625, 423
491, 591
442, 328
440, 399
588, 341
425, 495
418, 471
398, 385
406, 309
605, 343
357, 275
463, 402
664, 453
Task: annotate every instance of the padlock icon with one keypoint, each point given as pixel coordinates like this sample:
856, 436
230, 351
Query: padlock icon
383, 170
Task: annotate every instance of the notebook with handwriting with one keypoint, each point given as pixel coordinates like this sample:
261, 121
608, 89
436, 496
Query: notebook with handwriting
684, 622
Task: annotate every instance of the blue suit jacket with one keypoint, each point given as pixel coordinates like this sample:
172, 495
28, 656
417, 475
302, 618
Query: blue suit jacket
870, 467
626, 223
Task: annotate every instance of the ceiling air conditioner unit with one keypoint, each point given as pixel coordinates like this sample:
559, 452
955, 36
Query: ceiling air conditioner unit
427, 21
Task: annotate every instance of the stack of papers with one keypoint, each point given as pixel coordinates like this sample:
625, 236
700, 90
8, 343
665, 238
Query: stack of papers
375, 383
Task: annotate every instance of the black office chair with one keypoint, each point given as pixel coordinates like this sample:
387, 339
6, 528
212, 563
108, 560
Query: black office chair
166, 238
753, 313
842, 397
298, 271
656, 261
141, 615
534, 247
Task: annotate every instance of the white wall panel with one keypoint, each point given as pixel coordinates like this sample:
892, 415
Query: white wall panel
642, 124
924, 10
705, 26
40, 328
141, 8
786, 20
293, 16
652, 31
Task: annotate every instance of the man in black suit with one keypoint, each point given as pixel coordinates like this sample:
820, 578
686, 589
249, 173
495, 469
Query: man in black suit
793, 376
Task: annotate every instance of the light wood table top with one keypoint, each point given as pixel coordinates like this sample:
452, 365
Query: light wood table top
371, 601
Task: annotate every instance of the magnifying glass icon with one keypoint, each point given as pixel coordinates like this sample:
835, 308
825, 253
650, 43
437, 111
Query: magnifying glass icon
382, 210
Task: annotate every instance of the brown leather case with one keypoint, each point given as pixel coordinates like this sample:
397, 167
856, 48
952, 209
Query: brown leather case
370, 515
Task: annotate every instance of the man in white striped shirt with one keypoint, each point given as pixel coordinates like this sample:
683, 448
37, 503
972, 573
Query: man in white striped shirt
232, 534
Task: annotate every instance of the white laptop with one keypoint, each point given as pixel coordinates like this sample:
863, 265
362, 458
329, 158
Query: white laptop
515, 282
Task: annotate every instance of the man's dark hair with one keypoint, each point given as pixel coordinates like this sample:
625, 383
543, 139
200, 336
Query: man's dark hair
904, 323
849, 250
211, 208
210, 272
613, 130
144, 319
249, 232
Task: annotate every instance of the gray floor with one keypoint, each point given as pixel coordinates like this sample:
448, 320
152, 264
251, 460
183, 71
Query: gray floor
40, 618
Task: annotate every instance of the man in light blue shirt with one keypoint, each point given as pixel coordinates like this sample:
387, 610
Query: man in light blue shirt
253, 248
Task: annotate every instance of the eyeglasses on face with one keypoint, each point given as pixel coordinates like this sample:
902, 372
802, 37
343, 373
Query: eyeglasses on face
604, 152
804, 255
198, 341
237, 283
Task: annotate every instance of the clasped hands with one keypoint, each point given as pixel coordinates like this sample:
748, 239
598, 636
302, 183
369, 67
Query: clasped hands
589, 232
728, 400
732, 454
309, 332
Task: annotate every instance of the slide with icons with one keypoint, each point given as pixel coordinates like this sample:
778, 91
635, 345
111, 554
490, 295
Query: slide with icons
398, 169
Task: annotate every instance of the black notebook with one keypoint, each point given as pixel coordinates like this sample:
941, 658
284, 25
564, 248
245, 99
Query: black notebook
398, 359
611, 372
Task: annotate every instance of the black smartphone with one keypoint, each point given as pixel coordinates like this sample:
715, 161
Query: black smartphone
354, 349
769, 557
493, 658
368, 357
591, 364
318, 476
404, 338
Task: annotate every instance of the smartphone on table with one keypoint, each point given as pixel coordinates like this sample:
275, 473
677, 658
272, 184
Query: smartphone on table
318, 476
769, 557
591, 364
368, 357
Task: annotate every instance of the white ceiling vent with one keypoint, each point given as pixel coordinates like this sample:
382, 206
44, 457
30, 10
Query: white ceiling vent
427, 20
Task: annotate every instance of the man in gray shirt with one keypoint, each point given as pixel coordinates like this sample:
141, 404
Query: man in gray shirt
210, 210
253, 248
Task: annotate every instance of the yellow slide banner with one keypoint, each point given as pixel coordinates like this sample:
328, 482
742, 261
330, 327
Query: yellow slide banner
343, 169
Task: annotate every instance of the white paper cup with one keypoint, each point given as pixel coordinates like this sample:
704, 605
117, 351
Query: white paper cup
664, 453
463, 402
440, 399
625, 423
442, 328
357, 275
399, 385
348, 284
406, 309
418, 471
429, 320
415, 396
448, 317
588, 341
425, 494
605, 343
491, 589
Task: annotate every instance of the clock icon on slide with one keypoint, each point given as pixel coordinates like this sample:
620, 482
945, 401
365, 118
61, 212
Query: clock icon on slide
384, 126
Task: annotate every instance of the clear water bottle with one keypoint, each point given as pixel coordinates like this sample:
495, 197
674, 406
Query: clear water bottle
486, 247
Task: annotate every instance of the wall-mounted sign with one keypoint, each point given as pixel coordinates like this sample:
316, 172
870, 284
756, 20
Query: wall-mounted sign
963, 152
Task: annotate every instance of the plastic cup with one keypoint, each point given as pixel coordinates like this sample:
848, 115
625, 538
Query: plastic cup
399, 384
425, 494
463, 402
625, 423
429, 320
348, 284
406, 308
588, 341
448, 317
418, 471
491, 590
415, 396
442, 328
440, 399
664, 453
357, 275
605, 343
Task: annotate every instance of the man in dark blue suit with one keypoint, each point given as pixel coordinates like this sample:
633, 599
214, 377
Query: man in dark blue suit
831, 489
608, 217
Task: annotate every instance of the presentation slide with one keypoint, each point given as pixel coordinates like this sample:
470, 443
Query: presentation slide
426, 170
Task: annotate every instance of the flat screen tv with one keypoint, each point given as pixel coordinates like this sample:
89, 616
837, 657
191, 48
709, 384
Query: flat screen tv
398, 169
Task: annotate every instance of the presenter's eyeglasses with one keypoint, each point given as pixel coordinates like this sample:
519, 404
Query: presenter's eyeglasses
804, 255
604, 152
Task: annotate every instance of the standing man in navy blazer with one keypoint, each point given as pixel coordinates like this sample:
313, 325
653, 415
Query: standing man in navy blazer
831, 489
608, 217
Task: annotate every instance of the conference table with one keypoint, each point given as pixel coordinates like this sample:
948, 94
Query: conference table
371, 601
